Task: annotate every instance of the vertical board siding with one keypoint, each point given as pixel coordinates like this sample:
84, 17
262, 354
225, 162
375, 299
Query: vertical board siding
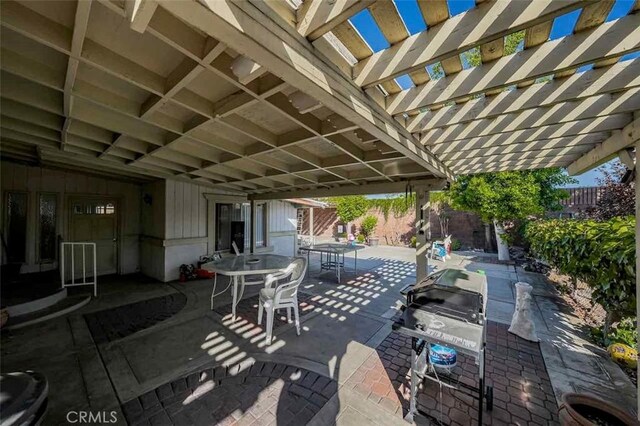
36, 180
186, 215
282, 216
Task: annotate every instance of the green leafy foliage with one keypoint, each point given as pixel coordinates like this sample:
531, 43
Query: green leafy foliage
350, 208
455, 245
398, 205
413, 242
602, 254
507, 196
513, 43
368, 225
625, 332
360, 238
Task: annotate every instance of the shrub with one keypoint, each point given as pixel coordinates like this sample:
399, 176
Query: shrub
414, 241
455, 245
368, 225
602, 254
360, 238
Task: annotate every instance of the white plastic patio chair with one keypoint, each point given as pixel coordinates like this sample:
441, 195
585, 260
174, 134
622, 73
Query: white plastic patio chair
435, 248
282, 295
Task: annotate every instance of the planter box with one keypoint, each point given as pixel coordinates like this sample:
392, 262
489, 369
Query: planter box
374, 241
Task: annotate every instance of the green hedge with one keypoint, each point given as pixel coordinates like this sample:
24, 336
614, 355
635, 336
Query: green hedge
602, 254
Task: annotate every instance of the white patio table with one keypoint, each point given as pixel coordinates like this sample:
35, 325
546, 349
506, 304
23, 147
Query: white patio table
239, 267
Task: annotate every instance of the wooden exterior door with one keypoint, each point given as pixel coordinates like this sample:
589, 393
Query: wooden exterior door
95, 220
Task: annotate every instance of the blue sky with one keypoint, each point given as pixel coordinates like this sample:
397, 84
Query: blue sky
412, 17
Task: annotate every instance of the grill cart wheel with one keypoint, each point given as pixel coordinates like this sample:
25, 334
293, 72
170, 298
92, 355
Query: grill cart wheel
489, 398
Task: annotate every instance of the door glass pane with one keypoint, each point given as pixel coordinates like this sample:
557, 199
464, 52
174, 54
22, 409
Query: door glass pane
223, 226
16, 226
48, 204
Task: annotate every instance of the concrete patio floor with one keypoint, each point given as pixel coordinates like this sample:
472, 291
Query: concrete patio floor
346, 367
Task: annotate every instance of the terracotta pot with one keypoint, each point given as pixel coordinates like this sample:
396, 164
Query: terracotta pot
584, 410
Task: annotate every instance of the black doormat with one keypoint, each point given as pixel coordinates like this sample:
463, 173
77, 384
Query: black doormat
113, 324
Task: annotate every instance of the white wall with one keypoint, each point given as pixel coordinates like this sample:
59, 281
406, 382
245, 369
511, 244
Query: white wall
282, 228
34, 180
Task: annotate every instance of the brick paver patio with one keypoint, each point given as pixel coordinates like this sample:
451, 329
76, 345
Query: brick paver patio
116, 323
257, 394
515, 368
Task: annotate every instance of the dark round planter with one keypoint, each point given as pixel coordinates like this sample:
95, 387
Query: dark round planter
373, 241
585, 410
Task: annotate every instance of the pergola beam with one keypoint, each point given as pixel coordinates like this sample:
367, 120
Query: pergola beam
618, 77
486, 22
608, 149
282, 51
318, 17
139, 13
609, 40
554, 131
364, 189
536, 145
593, 107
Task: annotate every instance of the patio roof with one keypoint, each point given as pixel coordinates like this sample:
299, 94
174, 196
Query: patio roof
286, 99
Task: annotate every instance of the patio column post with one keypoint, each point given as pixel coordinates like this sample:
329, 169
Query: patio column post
637, 186
311, 224
423, 232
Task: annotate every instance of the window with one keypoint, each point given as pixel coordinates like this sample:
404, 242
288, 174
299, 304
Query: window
16, 226
233, 223
47, 227
261, 225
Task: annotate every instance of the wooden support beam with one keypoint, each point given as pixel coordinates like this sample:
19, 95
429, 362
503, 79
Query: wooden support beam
139, 13
364, 189
592, 107
608, 149
246, 70
526, 164
482, 24
593, 15
352, 40
433, 11
389, 21
537, 34
243, 27
303, 102
621, 36
81, 21
548, 154
318, 17
570, 130
619, 77
536, 145
492, 50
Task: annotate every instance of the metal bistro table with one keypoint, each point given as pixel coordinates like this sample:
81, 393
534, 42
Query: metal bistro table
237, 268
334, 256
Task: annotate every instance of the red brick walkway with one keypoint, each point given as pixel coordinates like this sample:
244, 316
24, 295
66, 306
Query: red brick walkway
515, 368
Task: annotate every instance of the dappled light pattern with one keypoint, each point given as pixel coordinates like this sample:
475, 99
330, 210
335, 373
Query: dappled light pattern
240, 394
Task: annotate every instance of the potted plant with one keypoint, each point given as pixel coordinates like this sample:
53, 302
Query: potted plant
585, 410
368, 226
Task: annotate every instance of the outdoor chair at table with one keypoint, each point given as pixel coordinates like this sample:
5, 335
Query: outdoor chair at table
278, 295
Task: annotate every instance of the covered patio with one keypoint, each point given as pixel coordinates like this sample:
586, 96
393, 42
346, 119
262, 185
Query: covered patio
171, 112
191, 365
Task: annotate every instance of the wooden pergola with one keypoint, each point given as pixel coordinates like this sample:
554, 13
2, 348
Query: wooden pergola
284, 98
